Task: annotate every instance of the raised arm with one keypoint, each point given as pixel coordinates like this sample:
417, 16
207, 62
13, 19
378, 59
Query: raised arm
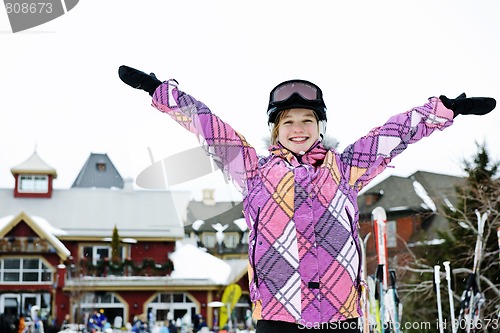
230, 151
369, 156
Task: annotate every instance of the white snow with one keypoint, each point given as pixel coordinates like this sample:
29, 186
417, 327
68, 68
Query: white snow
449, 204
219, 235
191, 262
197, 224
429, 242
242, 224
47, 227
50, 231
422, 193
5, 220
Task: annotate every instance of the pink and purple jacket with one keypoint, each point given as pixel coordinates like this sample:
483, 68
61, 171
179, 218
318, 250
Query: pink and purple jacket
302, 211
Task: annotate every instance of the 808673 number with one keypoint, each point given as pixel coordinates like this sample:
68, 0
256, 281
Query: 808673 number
479, 324
28, 8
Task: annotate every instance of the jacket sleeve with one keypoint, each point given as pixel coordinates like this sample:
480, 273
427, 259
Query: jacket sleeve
369, 156
229, 150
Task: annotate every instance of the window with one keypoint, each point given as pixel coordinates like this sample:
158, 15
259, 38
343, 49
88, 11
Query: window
24, 270
231, 239
99, 252
108, 298
33, 183
391, 234
208, 240
100, 166
170, 306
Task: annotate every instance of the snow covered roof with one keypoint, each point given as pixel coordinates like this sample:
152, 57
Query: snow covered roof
40, 226
225, 213
34, 165
423, 192
93, 212
192, 262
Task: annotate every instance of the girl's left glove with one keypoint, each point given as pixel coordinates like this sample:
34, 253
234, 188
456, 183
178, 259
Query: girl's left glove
469, 105
139, 80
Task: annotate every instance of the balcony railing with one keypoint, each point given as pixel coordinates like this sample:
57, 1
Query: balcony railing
25, 244
126, 267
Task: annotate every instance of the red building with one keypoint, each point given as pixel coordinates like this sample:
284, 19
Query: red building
58, 249
414, 207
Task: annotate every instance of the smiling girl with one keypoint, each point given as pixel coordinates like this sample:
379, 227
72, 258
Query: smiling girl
300, 200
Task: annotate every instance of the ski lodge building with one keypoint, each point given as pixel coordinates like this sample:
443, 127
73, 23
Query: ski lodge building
174, 257
56, 248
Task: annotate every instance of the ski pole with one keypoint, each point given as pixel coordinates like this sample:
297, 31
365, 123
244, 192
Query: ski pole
437, 281
498, 235
381, 296
395, 300
475, 294
450, 296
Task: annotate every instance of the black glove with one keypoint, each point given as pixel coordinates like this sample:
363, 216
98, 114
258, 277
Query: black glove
469, 105
139, 80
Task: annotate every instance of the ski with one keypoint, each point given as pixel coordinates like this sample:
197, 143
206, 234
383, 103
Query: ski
437, 284
395, 299
387, 295
365, 297
373, 303
472, 298
379, 296
449, 281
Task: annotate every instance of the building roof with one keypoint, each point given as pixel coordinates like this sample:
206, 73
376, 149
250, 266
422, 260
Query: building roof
34, 165
98, 171
224, 213
40, 226
423, 192
92, 213
416, 192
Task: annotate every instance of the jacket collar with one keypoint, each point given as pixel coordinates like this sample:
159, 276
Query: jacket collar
314, 156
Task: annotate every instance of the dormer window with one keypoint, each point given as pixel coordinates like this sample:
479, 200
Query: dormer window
101, 166
33, 184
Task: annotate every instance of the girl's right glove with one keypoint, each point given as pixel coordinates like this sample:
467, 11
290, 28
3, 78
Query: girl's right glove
139, 80
469, 105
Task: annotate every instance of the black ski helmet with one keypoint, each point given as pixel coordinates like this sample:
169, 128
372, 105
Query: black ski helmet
296, 94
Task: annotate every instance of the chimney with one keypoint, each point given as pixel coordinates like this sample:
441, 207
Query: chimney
208, 197
372, 198
128, 184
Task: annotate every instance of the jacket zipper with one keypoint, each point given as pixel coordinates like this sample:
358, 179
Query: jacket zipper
255, 228
360, 258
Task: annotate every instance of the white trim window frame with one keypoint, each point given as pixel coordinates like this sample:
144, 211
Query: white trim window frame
25, 270
33, 184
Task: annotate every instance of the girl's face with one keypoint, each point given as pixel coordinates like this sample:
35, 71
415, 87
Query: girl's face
298, 130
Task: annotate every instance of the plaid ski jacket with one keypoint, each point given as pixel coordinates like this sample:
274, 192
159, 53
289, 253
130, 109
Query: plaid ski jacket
302, 210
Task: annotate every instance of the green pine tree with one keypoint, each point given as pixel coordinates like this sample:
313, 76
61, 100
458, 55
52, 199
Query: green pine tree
115, 247
481, 192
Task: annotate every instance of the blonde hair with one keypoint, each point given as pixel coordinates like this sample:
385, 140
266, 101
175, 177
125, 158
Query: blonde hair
276, 128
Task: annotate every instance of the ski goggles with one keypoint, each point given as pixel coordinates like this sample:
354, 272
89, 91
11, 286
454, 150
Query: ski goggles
307, 90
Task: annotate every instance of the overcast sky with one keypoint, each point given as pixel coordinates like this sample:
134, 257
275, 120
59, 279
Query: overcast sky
61, 95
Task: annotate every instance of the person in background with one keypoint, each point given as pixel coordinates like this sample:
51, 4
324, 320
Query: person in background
172, 327
36, 322
201, 324
66, 321
300, 201
164, 328
21, 326
4, 323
